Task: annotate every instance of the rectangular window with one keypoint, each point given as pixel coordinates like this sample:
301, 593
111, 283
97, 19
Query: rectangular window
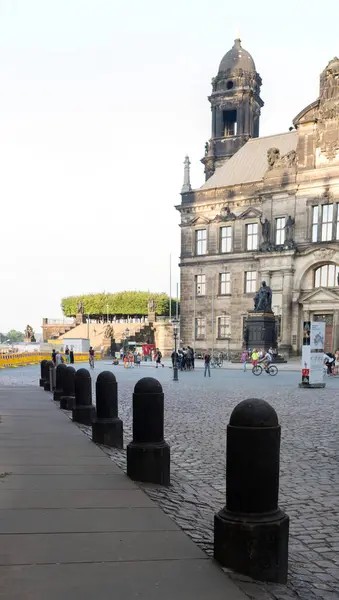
200, 285
280, 231
224, 327
226, 239
200, 328
327, 221
315, 219
201, 241
224, 284
250, 282
229, 123
252, 236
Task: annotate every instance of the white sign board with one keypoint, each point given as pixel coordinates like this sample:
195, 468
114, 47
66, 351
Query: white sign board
317, 352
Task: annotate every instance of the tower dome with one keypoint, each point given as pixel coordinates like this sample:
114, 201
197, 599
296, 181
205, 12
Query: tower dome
237, 58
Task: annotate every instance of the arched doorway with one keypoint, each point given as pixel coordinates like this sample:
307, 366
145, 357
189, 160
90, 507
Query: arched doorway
319, 298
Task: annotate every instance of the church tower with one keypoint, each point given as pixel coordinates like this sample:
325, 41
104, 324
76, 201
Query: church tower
235, 104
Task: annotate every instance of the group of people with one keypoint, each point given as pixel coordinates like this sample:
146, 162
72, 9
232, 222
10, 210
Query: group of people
58, 359
255, 356
331, 362
184, 358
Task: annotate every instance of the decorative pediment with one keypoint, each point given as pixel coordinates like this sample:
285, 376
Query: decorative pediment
320, 294
321, 253
250, 213
225, 215
200, 220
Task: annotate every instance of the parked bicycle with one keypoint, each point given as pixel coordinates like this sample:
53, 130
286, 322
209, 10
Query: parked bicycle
270, 370
216, 361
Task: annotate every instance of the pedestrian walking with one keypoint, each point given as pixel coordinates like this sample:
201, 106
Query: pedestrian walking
244, 359
58, 359
67, 354
255, 357
71, 356
54, 356
207, 360
158, 358
138, 360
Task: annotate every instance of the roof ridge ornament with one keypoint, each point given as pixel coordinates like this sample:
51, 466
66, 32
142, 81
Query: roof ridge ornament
186, 187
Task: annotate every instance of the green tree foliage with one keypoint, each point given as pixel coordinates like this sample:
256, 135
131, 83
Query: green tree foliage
121, 303
14, 336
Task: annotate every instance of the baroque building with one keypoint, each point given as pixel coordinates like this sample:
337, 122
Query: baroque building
268, 210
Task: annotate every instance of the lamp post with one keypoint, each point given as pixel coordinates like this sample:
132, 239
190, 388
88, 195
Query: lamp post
175, 324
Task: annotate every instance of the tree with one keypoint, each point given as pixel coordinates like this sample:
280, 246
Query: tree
121, 303
14, 336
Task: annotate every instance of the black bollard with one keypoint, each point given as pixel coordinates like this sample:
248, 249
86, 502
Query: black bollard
47, 366
67, 400
59, 382
42, 372
83, 411
148, 455
107, 428
251, 532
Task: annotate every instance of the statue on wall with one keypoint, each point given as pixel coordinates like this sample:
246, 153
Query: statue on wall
265, 229
109, 332
289, 227
151, 305
263, 299
29, 334
80, 307
273, 155
275, 161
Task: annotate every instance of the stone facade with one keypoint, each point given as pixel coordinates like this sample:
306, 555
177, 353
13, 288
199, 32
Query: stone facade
269, 212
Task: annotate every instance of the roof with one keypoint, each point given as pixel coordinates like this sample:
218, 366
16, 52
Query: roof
237, 58
249, 164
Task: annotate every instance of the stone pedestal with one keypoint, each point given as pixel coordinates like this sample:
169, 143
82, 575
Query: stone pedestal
255, 546
67, 402
108, 432
149, 462
261, 331
83, 414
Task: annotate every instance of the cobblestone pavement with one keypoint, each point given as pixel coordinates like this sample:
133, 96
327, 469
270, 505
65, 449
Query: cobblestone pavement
197, 411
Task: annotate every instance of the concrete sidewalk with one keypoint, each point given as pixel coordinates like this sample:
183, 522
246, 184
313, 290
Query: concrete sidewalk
72, 525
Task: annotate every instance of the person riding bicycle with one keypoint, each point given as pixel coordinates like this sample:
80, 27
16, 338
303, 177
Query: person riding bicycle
267, 360
91, 356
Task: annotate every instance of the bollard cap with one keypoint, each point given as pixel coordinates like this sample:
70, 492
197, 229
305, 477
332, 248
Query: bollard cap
70, 369
254, 412
82, 374
148, 385
60, 367
106, 376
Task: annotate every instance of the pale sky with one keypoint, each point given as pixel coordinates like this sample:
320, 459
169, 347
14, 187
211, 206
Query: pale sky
100, 100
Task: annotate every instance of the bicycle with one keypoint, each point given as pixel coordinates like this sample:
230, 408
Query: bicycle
216, 362
91, 362
270, 370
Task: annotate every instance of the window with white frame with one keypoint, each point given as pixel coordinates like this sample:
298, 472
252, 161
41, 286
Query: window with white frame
327, 222
225, 239
323, 216
201, 241
315, 221
224, 284
200, 285
250, 281
252, 236
326, 276
224, 327
200, 328
280, 231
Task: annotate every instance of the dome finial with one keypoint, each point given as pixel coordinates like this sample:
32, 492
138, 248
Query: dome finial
237, 35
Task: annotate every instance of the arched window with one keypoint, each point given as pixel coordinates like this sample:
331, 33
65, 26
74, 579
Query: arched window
326, 276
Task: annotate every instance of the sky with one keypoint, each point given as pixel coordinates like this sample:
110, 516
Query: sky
100, 101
